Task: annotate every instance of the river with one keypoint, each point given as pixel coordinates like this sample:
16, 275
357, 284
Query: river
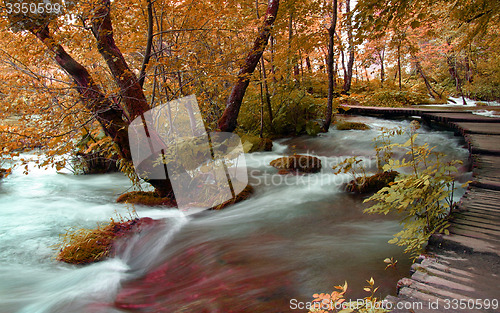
296, 236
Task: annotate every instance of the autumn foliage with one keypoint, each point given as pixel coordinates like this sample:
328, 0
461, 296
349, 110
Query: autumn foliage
256, 67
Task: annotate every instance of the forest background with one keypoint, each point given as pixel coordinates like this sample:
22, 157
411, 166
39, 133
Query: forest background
72, 81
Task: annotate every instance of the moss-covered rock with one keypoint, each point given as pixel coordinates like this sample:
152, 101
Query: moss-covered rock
372, 183
150, 198
256, 144
297, 163
83, 246
244, 194
345, 125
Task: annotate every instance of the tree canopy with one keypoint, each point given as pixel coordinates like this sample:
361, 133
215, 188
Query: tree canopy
74, 78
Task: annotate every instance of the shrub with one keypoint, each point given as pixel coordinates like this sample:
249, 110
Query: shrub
396, 98
351, 166
95, 154
424, 197
361, 183
255, 144
294, 112
335, 301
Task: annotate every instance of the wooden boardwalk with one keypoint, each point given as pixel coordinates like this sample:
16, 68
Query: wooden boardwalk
461, 273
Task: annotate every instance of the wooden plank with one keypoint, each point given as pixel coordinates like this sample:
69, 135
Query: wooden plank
459, 242
476, 232
489, 220
480, 208
355, 109
484, 144
486, 170
479, 128
479, 224
449, 117
480, 216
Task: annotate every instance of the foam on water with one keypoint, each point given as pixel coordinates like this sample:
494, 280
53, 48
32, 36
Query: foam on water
35, 210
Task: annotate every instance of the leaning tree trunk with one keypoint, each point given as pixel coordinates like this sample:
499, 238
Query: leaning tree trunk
110, 117
131, 91
433, 93
350, 62
113, 117
229, 119
331, 37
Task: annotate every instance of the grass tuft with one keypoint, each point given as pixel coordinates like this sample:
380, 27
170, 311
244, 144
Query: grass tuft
83, 246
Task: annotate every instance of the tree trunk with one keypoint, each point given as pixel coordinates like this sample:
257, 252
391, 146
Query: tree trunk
342, 57
468, 71
452, 69
468, 68
350, 62
261, 133
130, 90
110, 117
149, 44
229, 119
331, 37
426, 81
273, 69
267, 96
382, 70
308, 64
399, 66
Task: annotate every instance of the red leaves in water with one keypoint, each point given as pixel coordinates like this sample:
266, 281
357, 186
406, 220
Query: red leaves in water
211, 276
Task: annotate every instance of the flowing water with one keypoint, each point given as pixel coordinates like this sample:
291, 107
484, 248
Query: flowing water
296, 236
